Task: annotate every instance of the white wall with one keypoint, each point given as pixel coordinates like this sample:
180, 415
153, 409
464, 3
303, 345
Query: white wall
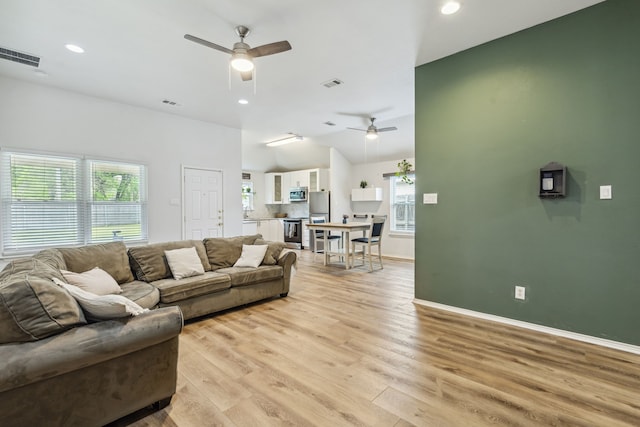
396, 245
295, 156
42, 118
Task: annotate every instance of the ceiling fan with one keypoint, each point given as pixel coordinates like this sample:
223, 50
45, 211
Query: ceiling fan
242, 54
372, 130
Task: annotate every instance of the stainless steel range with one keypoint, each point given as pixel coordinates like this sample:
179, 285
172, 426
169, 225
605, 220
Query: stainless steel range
293, 232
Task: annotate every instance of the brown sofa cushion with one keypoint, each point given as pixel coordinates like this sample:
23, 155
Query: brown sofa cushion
149, 262
225, 251
142, 293
273, 251
52, 257
243, 276
111, 257
172, 290
31, 305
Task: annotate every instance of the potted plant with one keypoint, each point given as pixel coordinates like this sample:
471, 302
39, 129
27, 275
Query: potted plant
404, 169
363, 184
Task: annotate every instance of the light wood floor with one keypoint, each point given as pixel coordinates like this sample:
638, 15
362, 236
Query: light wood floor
350, 348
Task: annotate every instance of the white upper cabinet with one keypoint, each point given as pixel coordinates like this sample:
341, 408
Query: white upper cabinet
318, 179
299, 178
286, 185
274, 189
373, 194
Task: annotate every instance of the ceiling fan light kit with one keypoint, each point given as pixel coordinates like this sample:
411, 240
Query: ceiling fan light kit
372, 130
241, 62
242, 55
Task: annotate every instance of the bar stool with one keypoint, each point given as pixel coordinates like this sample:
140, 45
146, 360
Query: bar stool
374, 238
319, 236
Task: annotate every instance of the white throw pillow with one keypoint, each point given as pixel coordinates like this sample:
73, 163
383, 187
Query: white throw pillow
102, 307
184, 262
97, 281
252, 255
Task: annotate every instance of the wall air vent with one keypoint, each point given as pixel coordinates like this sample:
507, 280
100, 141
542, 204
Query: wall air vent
332, 83
20, 57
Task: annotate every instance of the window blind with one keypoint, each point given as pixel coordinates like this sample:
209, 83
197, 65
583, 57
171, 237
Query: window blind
40, 202
53, 201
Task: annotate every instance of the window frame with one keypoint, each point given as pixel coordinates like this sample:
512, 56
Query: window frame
248, 196
410, 206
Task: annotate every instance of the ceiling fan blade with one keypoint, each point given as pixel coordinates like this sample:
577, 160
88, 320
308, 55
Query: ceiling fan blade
246, 75
387, 129
269, 49
207, 43
363, 130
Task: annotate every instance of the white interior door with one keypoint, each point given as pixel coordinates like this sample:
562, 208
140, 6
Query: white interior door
203, 210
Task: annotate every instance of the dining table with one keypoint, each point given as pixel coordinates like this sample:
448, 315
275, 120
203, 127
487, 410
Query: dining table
345, 229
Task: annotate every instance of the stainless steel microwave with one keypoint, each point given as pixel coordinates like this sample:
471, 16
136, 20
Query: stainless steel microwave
298, 194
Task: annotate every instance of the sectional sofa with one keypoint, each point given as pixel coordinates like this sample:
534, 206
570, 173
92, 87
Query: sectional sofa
60, 367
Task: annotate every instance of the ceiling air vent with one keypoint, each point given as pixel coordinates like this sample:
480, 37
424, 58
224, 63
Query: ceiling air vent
20, 57
332, 83
171, 103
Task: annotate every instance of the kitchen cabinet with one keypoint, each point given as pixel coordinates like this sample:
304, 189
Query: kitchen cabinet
299, 178
273, 188
305, 235
373, 194
277, 229
286, 185
318, 179
271, 229
249, 228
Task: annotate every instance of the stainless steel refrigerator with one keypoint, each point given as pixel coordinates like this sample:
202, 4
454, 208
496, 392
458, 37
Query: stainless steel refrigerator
319, 207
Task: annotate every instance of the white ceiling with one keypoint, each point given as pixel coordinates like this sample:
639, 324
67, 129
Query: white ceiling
136, 54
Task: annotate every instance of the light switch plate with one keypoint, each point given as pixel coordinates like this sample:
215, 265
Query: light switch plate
605, 192
430, 198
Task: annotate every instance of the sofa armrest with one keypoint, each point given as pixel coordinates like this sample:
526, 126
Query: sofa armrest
288, 261
26, 363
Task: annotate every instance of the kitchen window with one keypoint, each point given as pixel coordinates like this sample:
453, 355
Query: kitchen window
403, 201
247, 196
57, 200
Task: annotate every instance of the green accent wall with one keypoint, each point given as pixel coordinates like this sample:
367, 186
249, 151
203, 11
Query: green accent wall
486, 120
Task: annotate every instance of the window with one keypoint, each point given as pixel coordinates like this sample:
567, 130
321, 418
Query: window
117, 201
403, 201
247, 196
46, 203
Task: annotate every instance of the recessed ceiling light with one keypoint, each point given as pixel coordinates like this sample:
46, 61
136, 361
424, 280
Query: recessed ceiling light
243, 101
74, 48
450, 8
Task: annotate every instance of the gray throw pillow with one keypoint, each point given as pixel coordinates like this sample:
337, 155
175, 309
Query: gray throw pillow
32, 307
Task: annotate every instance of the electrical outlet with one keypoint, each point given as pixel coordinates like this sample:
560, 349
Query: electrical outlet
520, 292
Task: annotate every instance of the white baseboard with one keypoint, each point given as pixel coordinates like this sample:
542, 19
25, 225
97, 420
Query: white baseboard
532, 326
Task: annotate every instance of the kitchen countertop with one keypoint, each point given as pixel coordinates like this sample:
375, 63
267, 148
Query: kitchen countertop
247, 220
